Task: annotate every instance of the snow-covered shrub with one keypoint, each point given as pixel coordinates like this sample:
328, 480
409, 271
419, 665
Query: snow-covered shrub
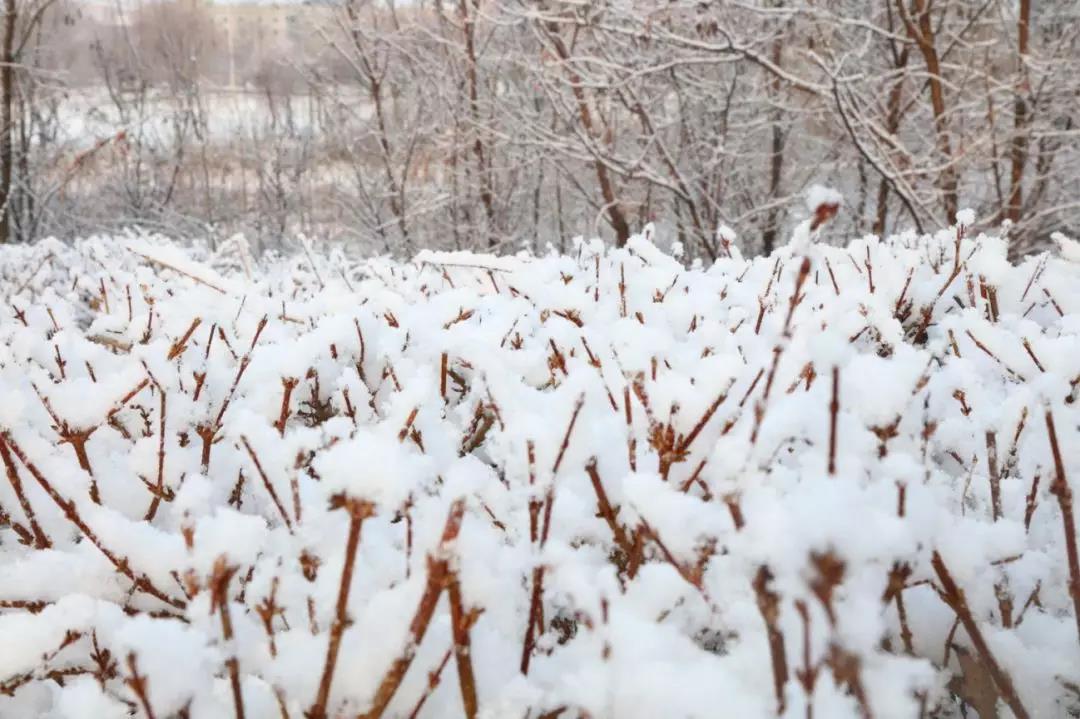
596, 485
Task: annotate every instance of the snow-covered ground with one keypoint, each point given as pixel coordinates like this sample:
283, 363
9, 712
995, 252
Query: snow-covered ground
88, 115
594, 485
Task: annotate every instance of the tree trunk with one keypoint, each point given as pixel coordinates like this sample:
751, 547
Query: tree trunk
7, 86
483, 164
612, 206
776, 156
896, 92
1020, 117
923, 35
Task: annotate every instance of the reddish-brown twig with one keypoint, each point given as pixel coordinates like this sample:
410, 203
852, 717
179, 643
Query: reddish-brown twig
266, 483
442, 376
438, 574
566, 437
898, 576
358, 510
208, 431
219, 602
138, 683
768, 603
995, 477
180, 345
536, 601
41, 540
953, 595
778, 350
688, 440
433, 683
622, 541
288, 384
159, 492
1031, 503
141, 581
1060, 488
461, 622
834, 411
807, 675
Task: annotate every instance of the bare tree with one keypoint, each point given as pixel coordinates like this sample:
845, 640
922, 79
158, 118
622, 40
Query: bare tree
496, 123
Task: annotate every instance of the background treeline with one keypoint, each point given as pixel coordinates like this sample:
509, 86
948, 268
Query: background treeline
497, 124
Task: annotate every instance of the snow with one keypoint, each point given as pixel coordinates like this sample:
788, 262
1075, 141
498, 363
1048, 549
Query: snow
655, 441
965, 218
467, 259
819, 195
1070, 248
823, 203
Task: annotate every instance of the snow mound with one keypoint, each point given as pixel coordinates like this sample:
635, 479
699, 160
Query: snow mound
599, 485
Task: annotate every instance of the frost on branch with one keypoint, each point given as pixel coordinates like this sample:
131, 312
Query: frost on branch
598, 484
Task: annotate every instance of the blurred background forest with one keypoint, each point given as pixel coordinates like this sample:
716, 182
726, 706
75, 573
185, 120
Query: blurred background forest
501, 124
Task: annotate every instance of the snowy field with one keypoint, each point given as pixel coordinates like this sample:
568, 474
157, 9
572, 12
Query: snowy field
89, 115
594, 485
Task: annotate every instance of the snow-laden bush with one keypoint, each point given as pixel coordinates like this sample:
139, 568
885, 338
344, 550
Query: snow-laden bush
597, 485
